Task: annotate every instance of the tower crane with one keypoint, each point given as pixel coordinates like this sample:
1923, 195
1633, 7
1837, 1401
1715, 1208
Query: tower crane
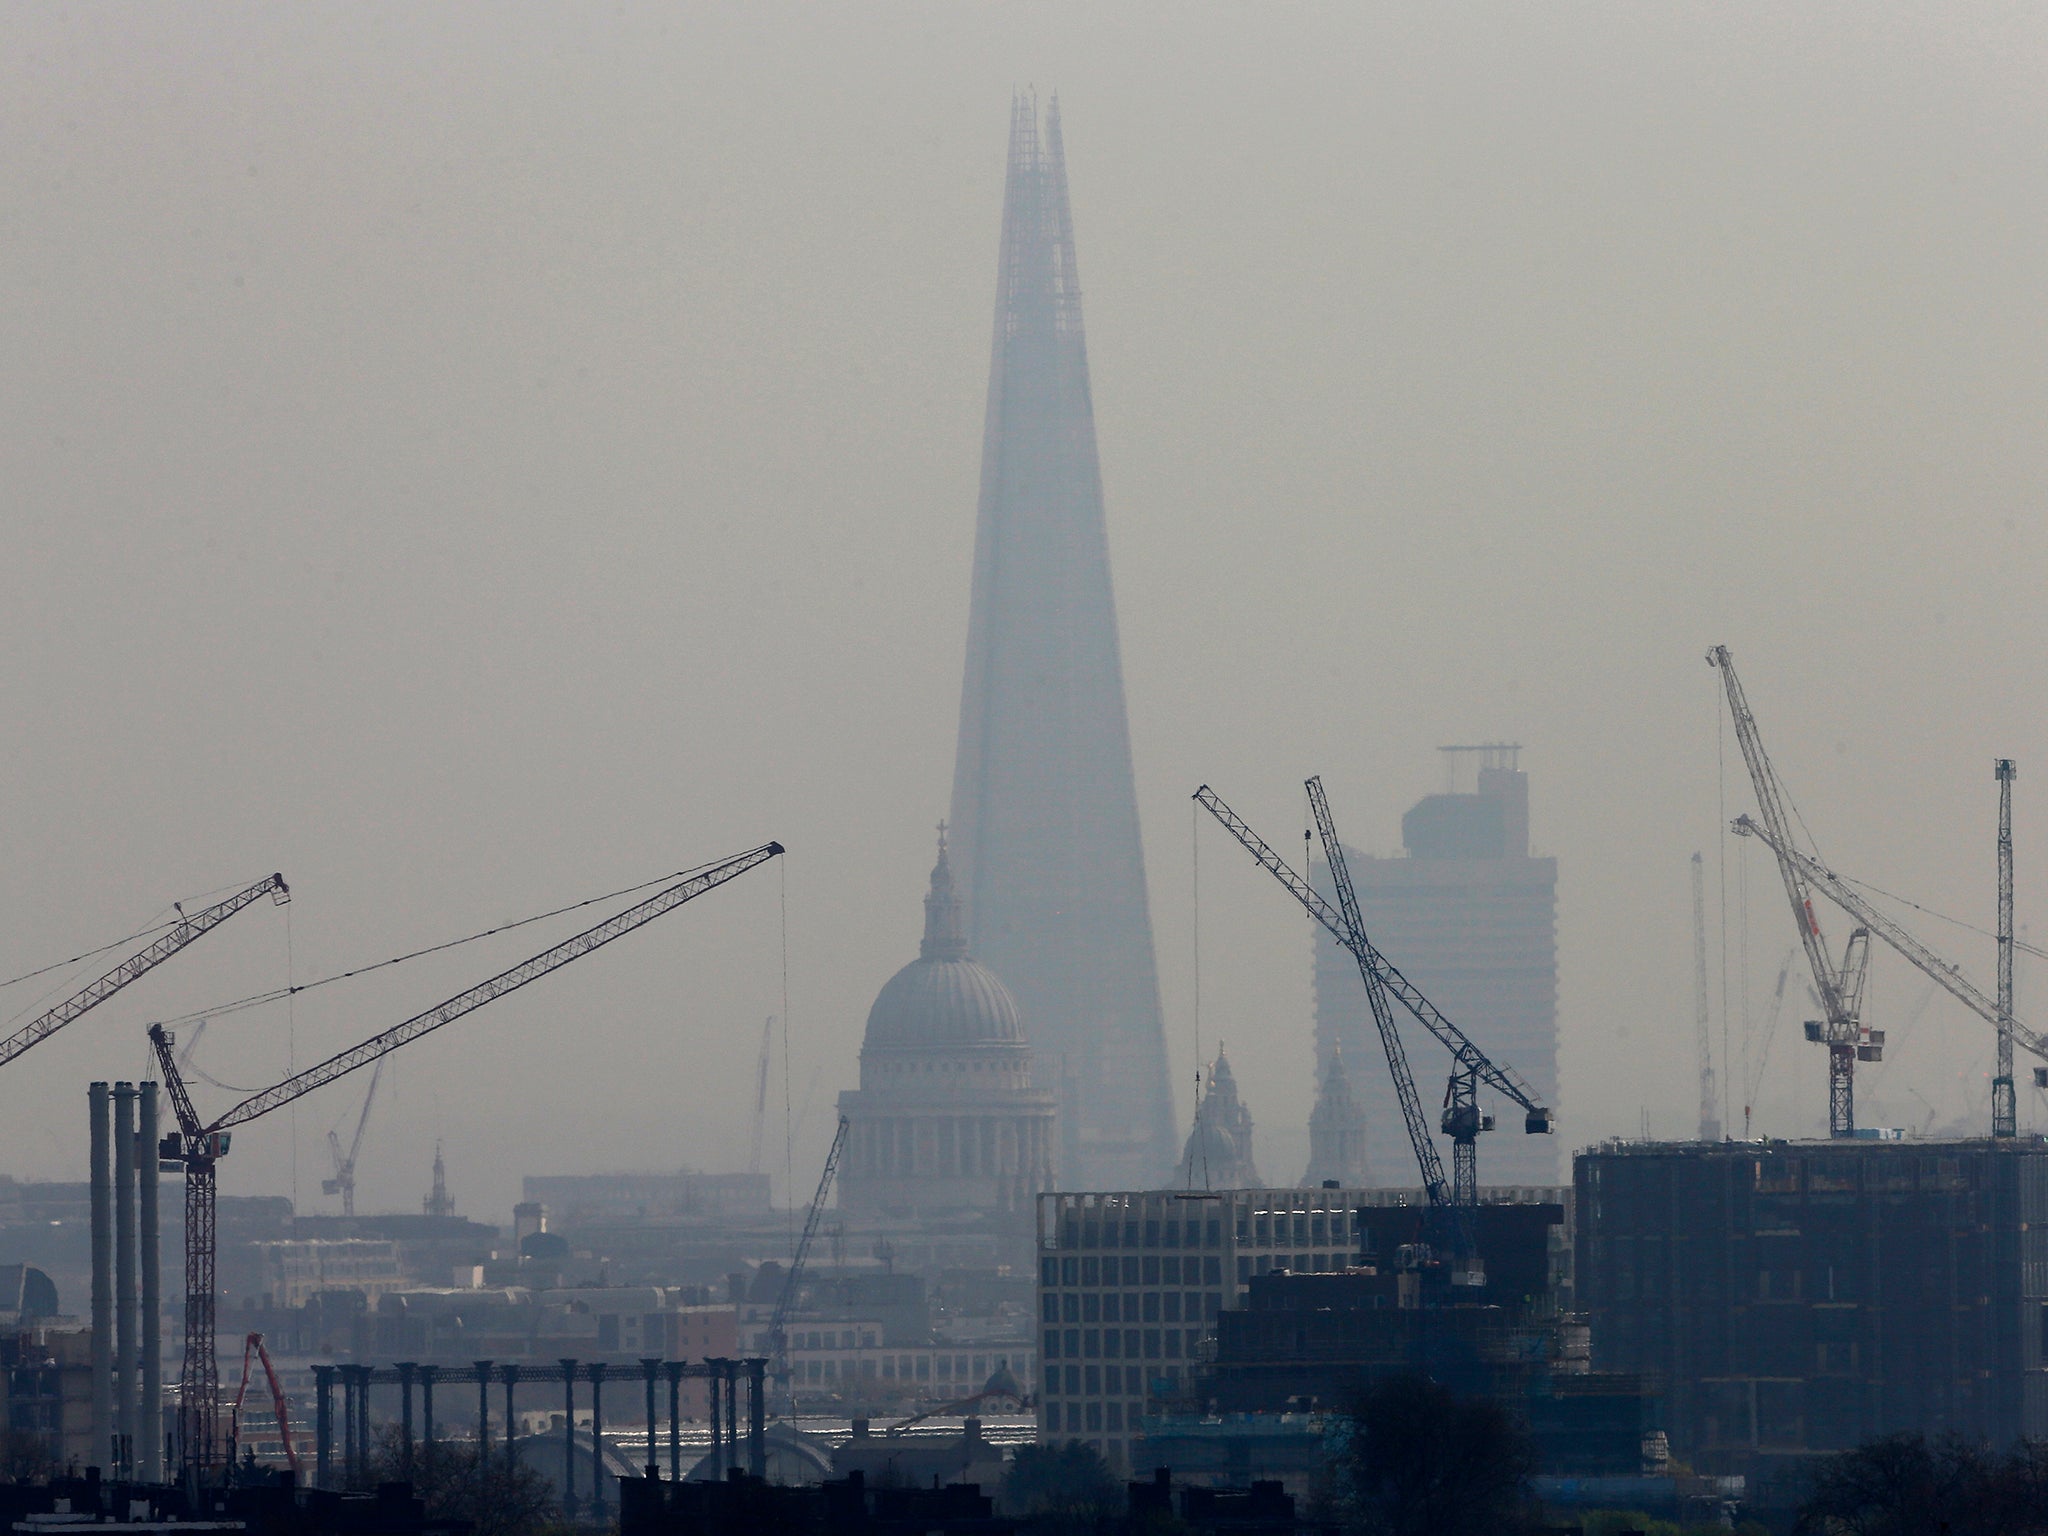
1995, 1011
1839, 986
198, 1145
183, 932
344, 1181
1462, 1120
1703, 1043
778, 1323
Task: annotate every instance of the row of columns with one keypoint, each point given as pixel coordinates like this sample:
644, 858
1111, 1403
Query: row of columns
356, 1380
953, 1146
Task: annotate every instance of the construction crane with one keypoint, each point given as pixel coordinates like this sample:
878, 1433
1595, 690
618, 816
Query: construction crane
1703, 1043
1995, 1011
1462, 1119
2005, 1114
344, 1181
1839, 986
253, 1346
778, 1323
761, 1095
187, 928
197, 1146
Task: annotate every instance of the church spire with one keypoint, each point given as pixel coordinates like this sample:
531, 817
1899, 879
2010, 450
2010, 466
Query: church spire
944, 938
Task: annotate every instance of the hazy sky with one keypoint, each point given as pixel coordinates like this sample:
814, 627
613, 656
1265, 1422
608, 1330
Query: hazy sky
473, 457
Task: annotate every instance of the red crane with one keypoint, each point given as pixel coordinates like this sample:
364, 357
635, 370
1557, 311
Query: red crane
253, 1345
141, 963
197, 1146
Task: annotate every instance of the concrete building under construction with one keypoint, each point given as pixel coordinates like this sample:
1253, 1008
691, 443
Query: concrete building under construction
1789, 1298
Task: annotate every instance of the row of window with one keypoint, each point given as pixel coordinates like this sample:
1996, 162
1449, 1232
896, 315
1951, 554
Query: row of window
1133, 1270
1110, 1380
1086, 1417
1136, 1307
1266, 1229
911, 1367
1119, 1343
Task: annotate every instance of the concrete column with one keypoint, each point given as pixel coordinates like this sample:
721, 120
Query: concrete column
102, 1175
427, 1373
150, 1405
757, 1417
568, 1437
483, 1419
405, 1374
597, 1439
323, 1426
675, 1420
127, 1346
651, 1369
511, 1374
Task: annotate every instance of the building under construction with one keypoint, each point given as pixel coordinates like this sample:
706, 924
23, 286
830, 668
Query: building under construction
1797, 1297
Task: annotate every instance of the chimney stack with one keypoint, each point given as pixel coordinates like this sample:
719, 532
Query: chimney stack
102, 1274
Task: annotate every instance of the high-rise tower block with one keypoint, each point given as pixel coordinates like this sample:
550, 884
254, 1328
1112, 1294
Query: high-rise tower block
1045, 814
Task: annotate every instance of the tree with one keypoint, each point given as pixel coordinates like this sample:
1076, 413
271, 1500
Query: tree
504, 1501
1909, 1485
1421, 1461
1066, 1483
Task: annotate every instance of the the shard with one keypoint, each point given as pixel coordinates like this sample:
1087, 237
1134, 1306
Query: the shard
1045, 814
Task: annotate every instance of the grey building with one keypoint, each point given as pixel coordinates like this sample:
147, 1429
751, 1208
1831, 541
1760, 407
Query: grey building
1045, 816
1789, 1298
1130, 1287
1471, 918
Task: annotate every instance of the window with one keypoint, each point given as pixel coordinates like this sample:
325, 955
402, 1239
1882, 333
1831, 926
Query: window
1051, 1351
1070, 1271
1151, 1343
1112, 1342
1090, 1235
1131, 1268
1049, 1308
1073, 1344
1091, 1271
1048, 1272
1169, 1234
1112, 1379
1215, 1235
1091, 1308
1113, 1416
1070, 1306
1212, 1270
1052, 1417
1173, 1306
1095, 1416
1169, 1271
1151, 1306
1092, 1381
1151, 1234
1151, 1269
1091, 1343
1173, 1343
1112, 1307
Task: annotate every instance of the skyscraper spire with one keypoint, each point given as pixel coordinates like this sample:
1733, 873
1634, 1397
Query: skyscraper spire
1045, 818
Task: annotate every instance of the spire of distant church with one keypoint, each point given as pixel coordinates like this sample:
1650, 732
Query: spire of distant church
944, 939
1219, 1150
1336, 1132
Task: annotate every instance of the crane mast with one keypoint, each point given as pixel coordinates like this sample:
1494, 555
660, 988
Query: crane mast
139, 964
197, 1146
2005, 1120
344, 1181
1840, 987
1703, 1042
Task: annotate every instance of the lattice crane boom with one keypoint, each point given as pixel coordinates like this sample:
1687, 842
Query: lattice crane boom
198, 1146
1840, 988
141, 963
1942, 972
778, 1323
1503, 1080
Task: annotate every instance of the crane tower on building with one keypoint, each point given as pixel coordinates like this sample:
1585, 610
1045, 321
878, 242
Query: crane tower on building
188, 927
196, 1147
1450, 1206
344, 1181
1997, 1011
1839, 985
1703, 1040
778, 1324
761, 1095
